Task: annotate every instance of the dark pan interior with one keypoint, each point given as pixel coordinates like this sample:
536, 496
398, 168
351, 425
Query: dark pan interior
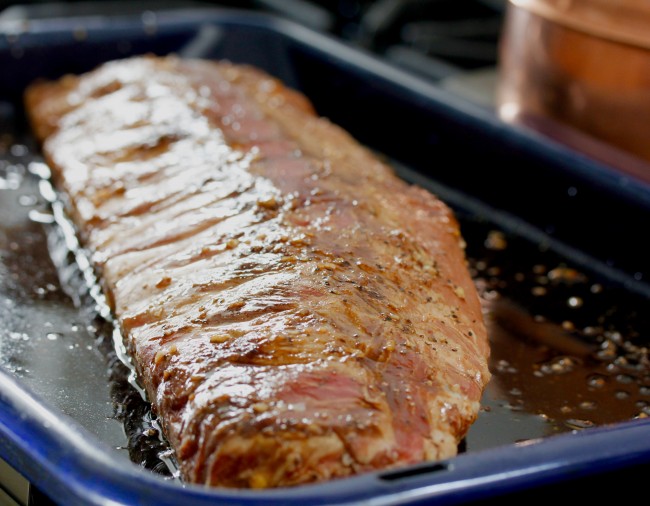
554, 240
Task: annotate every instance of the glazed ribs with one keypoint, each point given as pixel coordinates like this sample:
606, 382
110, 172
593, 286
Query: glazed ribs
295, 311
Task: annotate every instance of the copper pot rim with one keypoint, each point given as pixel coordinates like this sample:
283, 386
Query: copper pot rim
621, 21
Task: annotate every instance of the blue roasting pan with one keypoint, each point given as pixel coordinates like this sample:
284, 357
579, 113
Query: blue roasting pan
554, 236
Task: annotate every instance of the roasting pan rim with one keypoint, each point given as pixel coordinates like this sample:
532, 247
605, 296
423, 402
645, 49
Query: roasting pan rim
465, 476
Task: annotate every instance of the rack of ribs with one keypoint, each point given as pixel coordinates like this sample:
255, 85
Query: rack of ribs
294, 310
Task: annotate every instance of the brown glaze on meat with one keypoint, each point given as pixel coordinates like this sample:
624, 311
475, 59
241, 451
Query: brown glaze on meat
295, 311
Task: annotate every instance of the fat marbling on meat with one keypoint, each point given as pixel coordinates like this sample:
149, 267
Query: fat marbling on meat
295, 311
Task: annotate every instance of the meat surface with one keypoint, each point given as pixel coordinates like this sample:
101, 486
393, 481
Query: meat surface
295, 311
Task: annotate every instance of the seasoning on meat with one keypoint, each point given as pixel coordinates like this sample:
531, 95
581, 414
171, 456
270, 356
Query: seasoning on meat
295, 311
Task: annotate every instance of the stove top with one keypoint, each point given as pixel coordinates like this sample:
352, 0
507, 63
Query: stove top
450, 42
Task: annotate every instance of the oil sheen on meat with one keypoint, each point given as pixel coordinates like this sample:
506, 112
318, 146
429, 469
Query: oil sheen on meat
295, 311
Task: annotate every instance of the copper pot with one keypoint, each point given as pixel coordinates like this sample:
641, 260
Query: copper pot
584, 63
